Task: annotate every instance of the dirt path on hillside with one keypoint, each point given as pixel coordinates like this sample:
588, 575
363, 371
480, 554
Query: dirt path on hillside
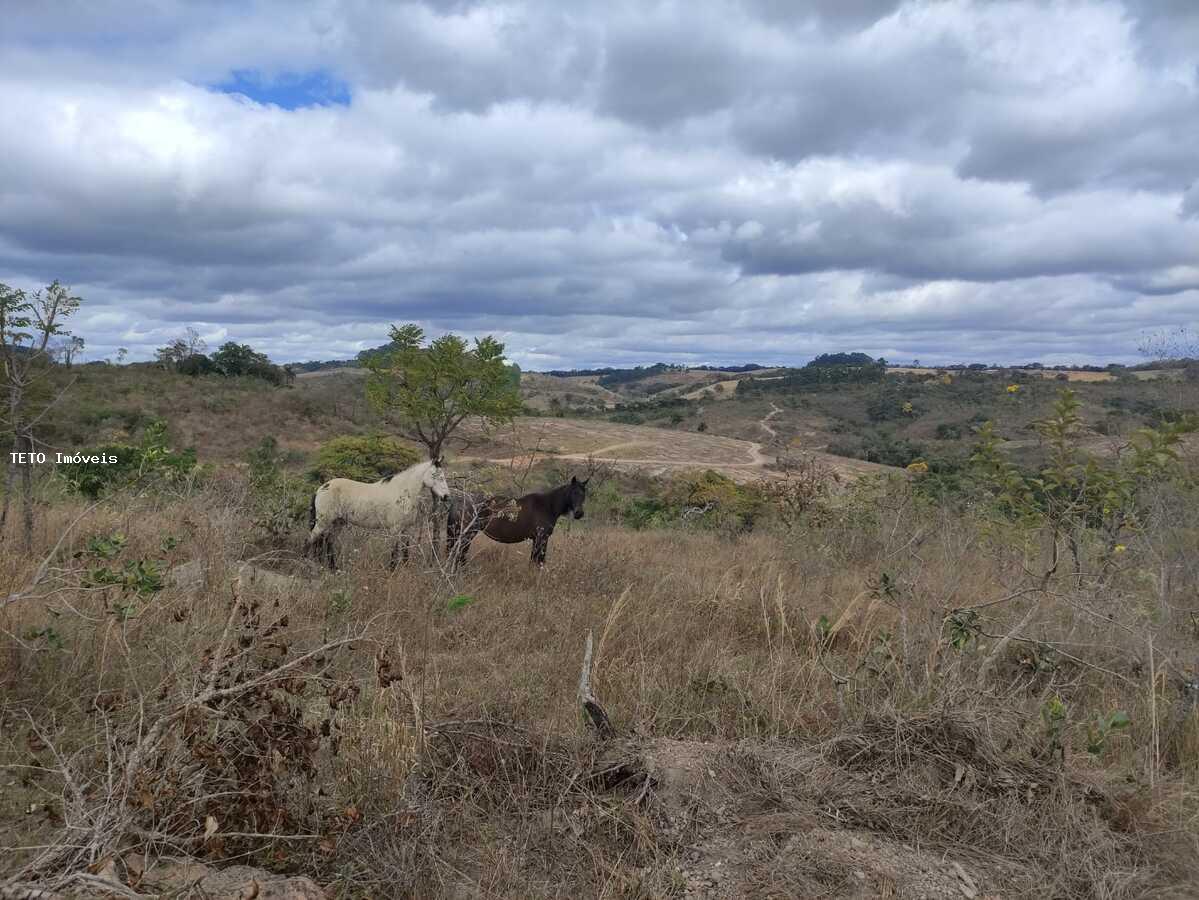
765, 423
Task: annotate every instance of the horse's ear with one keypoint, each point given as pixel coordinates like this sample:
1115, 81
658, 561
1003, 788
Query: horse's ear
585, 480
574, 480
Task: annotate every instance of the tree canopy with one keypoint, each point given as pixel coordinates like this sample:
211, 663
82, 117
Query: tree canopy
842, 359
427, 391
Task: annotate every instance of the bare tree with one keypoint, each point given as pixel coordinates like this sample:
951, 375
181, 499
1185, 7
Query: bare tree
66, 349
1174, 348
27, 325
193, 342
1170, 345
181, 348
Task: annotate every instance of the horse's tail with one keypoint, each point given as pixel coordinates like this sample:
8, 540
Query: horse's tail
312, 512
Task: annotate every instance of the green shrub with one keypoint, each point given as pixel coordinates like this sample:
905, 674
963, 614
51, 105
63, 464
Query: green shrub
882, 446
280, 500
646, 512
626, 418
363, 458
153, 458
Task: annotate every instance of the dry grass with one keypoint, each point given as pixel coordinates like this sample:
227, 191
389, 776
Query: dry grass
221, 417
791, 723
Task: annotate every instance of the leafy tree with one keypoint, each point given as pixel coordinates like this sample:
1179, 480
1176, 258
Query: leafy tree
234, 358
27, 325
426, 392
1074, 493
196, 364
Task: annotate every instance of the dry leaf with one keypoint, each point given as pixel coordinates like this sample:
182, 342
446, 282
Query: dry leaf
210, 827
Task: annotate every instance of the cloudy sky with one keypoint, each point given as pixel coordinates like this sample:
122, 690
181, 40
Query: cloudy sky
607, 182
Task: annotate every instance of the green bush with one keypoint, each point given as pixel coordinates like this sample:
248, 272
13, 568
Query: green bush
626, 418
280, 500
647, 512
947, 431
363, 458
882, 446
153, 458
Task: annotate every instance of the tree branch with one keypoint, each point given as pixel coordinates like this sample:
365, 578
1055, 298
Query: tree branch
599, 718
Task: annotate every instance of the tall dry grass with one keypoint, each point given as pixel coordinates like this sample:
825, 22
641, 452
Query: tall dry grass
817, 674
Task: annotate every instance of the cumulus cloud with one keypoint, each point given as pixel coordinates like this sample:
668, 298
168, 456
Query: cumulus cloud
610, 182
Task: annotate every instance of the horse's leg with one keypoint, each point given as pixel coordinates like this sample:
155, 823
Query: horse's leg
320, 545
326, 551
541, 542
464, 541
395, 553
329, 537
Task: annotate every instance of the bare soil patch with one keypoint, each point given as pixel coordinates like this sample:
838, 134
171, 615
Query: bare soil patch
656, 450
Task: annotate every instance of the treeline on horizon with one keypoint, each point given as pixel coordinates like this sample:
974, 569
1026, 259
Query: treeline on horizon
610, 375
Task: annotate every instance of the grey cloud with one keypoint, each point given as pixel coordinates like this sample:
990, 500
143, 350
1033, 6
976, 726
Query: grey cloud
606, 182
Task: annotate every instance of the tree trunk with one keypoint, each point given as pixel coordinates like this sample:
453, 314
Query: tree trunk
10, 480
27, 496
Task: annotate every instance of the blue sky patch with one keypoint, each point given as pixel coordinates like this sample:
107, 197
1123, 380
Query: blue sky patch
287, 90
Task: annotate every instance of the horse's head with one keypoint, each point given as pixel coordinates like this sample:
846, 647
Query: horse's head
578, 495
435, 480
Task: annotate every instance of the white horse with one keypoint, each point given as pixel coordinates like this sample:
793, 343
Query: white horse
390, 504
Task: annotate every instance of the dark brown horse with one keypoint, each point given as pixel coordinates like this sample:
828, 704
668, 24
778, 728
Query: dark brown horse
531, 517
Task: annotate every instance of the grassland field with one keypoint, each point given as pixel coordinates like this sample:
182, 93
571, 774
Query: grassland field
881, 692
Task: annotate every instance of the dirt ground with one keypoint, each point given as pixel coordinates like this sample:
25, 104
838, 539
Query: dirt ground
655, 451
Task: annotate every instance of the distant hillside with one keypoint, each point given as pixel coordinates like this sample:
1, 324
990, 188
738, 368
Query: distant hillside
629, 374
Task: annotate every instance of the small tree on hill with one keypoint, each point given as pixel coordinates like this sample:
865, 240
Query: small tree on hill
180, 349
27, 325
426, 392
233, 359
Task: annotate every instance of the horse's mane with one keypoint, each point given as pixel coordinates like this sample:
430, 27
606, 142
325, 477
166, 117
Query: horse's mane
386, 478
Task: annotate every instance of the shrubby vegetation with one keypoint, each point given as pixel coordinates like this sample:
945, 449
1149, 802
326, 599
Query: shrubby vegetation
153, 459
279, 498
363, 458
813, 377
